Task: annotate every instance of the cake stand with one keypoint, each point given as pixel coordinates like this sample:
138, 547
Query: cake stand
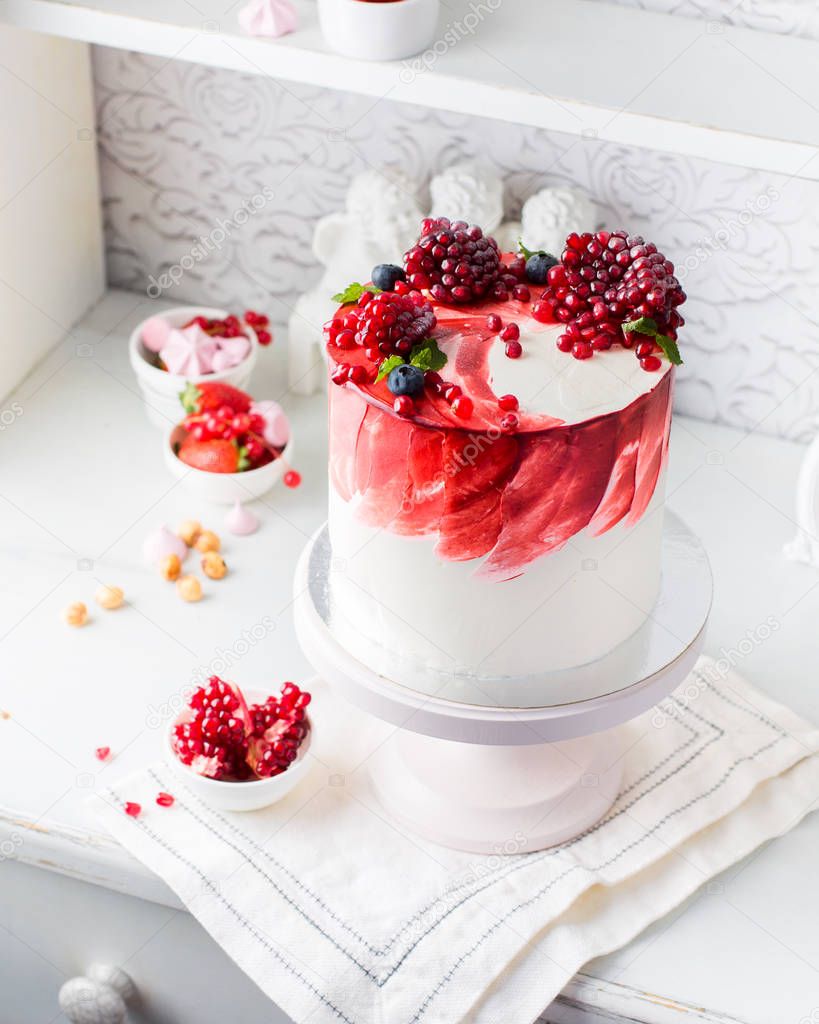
521, 764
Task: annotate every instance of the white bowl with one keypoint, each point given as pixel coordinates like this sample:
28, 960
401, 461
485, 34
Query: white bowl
225, 488
160, 389
378, 31
242, 796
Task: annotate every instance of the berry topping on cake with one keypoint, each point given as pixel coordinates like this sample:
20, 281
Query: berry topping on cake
386, 275
383, 324
538, 262
608, 286
455, 261
406, 380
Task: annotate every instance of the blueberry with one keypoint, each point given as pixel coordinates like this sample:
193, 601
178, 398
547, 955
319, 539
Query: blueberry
406, 380
385, 276
537, 267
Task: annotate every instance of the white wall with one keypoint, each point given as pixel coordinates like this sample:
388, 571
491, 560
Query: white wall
51, 255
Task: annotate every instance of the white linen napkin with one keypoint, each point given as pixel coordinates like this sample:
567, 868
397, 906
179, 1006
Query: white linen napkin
339, 915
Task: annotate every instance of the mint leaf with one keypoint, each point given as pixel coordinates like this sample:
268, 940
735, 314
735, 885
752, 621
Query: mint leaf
386, 368
645, 325
529, 252
427, 356
353, 292
669, 347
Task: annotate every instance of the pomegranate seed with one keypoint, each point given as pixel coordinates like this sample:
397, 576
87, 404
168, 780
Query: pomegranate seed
645, 348
164, 799
102, 753
264, 337
291, 478
494, 323
508, 403
133, 810
514, 349
522, 293
433, 380
511, 332
650, 363
462, 407
582, 350
404, 405
509, 422
543, 312
565, 342
451, 392
358, 374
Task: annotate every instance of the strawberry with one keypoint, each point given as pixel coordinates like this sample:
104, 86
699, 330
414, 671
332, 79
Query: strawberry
215, 456
212, 395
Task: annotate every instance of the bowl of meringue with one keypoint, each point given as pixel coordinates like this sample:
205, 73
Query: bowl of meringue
190, 344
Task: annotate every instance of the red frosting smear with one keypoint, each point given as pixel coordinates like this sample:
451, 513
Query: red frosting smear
513, 498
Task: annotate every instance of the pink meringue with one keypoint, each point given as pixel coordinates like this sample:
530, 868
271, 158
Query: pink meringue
162, 542
230, 352
241, 521
189, 352
155, 333
276, 425
268, 18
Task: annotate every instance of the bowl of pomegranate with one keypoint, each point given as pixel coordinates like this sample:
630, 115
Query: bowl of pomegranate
229, 446
192, 343
240, 751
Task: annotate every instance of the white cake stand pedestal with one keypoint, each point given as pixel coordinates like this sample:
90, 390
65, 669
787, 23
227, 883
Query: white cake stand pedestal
469, 774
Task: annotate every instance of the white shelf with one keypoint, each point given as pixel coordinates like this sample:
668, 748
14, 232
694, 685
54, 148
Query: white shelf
593, 70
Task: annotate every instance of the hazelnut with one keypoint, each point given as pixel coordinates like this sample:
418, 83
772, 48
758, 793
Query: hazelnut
75, 614
207, 541
189, 588
170, 567
109, 597
189, 531
213, 565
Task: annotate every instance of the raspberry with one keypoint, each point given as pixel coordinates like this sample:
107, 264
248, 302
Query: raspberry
455, 261
385, 324
213, 740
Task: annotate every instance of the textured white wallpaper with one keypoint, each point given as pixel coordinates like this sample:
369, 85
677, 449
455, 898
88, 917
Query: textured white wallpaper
217, 178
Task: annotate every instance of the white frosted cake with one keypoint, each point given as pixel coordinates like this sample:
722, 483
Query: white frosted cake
498, 438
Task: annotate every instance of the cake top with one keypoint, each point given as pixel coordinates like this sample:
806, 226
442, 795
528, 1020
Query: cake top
464, 336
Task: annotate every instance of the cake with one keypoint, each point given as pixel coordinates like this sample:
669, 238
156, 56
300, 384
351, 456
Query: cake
498, 438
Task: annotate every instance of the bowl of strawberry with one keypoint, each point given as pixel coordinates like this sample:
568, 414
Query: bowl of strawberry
193, 343
229, 447
240, 751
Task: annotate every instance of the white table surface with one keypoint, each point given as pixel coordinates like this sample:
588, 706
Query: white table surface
83, 482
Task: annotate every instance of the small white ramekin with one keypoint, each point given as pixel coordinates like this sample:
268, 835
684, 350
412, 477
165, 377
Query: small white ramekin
379, 31
242, 796
225, 488
160, 389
